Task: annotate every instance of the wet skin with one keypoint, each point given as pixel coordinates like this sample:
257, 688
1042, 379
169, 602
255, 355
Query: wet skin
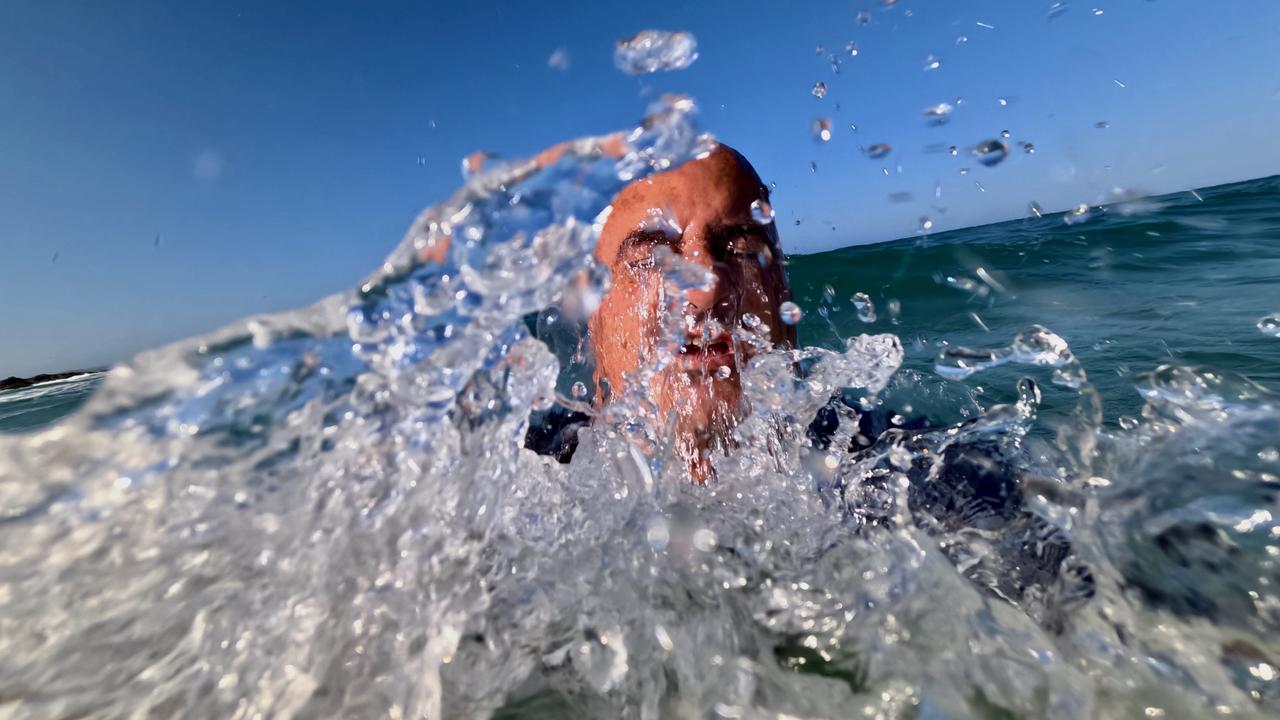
700, 213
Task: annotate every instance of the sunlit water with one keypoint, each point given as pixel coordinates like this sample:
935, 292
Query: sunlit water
329, 513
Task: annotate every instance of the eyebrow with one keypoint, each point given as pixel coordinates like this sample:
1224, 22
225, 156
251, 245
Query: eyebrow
722, 234
637, 238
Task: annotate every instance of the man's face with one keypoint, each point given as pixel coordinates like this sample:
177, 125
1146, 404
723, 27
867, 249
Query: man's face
700, 213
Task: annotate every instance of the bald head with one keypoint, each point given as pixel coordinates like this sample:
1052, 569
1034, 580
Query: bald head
702, 213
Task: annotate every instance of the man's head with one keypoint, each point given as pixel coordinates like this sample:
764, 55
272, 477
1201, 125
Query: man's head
701, 213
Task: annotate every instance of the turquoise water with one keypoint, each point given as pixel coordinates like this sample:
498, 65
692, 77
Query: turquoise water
1179, 280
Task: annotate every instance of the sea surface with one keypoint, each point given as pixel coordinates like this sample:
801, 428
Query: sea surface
1182, 279
328, 512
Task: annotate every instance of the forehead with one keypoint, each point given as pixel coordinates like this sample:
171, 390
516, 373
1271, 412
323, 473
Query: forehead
717, 189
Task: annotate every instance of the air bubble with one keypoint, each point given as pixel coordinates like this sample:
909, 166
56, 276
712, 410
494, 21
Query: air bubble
819, 90
704, 540
864, 17
762, 212
1270, 325
1028, 148
723, 372
933, 62
1102, 125
790, 313
953, 151
851, 49
926, 224
1034, 209
1004, 134
579, 390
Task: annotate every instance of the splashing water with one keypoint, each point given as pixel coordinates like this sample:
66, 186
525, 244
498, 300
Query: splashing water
328, 513
651, 51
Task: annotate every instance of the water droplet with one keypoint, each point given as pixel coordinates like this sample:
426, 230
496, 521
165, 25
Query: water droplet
1097, 11
723, 372
704, 540
1034, 208
821, 129
819, 90
878, 150
1120, 84
987, 26
560, 60
990, 152
938, 114
813, 166
866, 309
1029, 148
933, 62
1078, 214
1102, 124
1004, 134
651, 51
657, 534
1270, 325
953, 151
761, 212
964, 171
790, 313
1002, 102
851, 49
962, 40
925, 223
579, 390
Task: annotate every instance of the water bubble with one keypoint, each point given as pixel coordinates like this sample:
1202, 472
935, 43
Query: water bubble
1034, 208
723, 372
1004, 134
819, 90
933, 62
790, 313
651, 51
938, 114
990, 152
579, 390
762, 212
1270, 325
821, 129
704, 539
878, 150
866, 309
926, 224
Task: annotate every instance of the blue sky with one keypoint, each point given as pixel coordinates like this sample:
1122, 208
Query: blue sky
191, 165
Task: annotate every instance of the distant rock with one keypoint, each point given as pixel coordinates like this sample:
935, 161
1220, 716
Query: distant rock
17, 383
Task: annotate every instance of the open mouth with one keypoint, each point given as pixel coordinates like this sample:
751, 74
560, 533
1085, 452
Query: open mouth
707, 355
